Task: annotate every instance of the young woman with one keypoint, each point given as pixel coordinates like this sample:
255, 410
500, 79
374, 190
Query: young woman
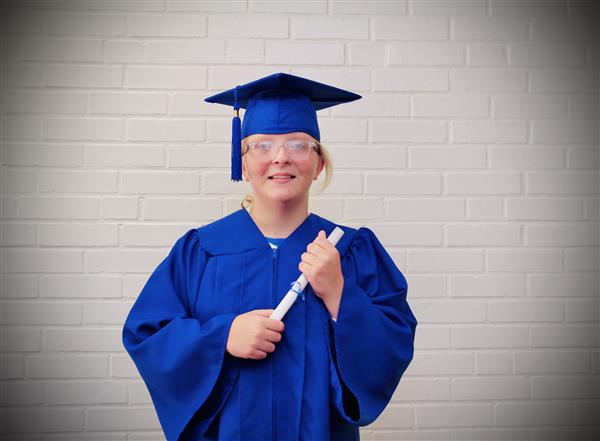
216, 365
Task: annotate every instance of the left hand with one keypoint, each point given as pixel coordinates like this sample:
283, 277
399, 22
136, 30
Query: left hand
321, 266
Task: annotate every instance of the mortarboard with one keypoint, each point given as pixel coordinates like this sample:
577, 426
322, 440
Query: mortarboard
278, 103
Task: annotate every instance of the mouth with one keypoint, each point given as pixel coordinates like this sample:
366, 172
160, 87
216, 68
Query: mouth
282, 177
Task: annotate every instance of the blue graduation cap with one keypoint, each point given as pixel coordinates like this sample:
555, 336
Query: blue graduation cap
278, 103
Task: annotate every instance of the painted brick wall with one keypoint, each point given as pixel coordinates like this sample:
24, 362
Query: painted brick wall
473, 155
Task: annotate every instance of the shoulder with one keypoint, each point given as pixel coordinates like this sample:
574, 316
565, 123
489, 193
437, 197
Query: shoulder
353, 238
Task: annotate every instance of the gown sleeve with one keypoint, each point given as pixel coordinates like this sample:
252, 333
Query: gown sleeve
183, 361
371, 343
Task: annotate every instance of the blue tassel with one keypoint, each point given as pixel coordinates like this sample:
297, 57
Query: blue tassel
236, 149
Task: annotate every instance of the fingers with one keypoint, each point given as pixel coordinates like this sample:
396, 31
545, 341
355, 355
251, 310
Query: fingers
272, 336
261, 312
275, 325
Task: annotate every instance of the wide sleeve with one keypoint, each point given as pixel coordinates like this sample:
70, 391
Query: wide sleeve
371, 342
183, 361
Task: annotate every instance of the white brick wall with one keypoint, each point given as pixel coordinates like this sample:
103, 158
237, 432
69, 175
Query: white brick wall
473, 155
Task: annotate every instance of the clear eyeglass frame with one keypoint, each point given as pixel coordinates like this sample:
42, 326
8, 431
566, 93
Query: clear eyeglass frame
271, 152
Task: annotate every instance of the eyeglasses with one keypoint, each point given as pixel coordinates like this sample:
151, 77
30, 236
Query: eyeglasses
296, 149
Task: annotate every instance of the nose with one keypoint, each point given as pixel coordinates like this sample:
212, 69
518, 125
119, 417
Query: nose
281, 154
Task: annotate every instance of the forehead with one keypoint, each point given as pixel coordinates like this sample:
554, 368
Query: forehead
279, 136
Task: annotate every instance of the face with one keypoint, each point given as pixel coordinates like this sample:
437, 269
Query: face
296, 176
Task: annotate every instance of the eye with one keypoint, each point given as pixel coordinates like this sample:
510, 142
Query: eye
297, 145
264, 145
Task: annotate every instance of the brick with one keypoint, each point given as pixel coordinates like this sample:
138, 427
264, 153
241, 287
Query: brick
488, 80
543, 209
78, 182
178, 78
527, 158
160, 182
422, 389
583, 158
330, 207
22, 128
404, 235
520, 260
207, 6
563, 183
103, 129
573, 336
312, 53
166, 25
451, 106
483, 183
25, 420
490, 388
487, 285
489, 132
452, 311
366, 54
376, 157
80, 286
83, 76
19, 286
20, 339
436, 363
203, 157
432, 337
41, 313
12, 367
59, 208
123, 155
127, 5
346, 28
363, 208
454, 415
453, 8
410, 435
401, 183
563, 285
487, 54
561, 29
247, 26
445, 260
551, 362
67, 366
128, 261
82, 393
53, 50
186, 52
561, 235
582, 310
124, 418
122, 366
410, 28
425, 209
116, 51
482, 235
563, 80
408, 131
46, 154
427, 54
138, 393
493, 363
587, 413
410, 80
563, 132
490, 336
444, 158
105, 313
490, 28
485, 208
22, 75
168, 130
530, 107
76, 24
88, 339
529, 8
533, 414
291, 6
581, 260
128, 103
244, 51
369, 7
19, 181
39, 260
44, 102
526, 311
182, 209
546, 54
558, 433
428, 286
562, 388
21, 393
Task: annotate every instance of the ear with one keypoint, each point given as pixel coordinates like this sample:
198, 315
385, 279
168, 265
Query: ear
244, 170
320, 166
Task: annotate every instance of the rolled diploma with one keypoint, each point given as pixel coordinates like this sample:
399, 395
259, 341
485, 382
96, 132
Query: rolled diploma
300, 283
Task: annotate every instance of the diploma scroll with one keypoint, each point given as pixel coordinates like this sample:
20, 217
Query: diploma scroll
300, 283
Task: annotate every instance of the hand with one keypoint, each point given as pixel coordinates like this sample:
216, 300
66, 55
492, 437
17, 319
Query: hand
321, 266
254, 334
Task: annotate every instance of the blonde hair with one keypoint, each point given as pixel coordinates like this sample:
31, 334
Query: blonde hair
248, 200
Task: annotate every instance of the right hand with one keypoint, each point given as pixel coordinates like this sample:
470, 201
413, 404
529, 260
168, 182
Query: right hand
254, 334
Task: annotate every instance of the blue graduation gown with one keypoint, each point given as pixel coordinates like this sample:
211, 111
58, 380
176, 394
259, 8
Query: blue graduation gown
324, 379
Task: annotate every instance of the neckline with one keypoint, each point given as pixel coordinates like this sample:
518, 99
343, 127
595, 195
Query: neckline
284, 241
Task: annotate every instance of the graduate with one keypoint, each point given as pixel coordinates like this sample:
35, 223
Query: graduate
216, 365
